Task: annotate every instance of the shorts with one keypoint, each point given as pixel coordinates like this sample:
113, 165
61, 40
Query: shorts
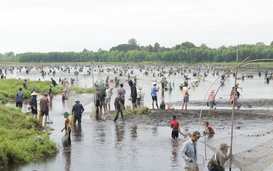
175, 134
45, 113
186, 99
134, 99
102, 103
154, 98
33, 111
19, 104
108, 100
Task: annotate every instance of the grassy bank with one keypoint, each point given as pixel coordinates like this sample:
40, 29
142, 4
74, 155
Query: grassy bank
9, 88
21, 138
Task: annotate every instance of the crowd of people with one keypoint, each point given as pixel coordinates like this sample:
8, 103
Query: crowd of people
104, 96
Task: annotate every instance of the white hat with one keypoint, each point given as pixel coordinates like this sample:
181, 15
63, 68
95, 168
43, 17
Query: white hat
140, 88
34, 93
154, 83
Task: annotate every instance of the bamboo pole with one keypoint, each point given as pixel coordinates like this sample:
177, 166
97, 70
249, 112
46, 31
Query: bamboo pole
232, 115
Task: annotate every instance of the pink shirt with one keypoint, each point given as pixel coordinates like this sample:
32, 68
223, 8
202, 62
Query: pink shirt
211, 97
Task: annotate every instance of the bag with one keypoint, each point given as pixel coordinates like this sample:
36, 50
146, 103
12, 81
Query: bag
40, 117
207, 103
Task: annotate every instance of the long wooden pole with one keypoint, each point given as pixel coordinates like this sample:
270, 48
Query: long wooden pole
232, 116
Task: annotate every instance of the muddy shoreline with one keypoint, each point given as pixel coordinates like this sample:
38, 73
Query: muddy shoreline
219, 117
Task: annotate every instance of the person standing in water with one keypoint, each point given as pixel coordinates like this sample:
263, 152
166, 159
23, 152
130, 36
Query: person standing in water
154, 91
44, 107
185, 96
175, 128
189, 152
77, 111
211, 100
67, 127
19, 98
218, 160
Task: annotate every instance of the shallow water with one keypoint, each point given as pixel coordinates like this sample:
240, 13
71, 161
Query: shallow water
105, 145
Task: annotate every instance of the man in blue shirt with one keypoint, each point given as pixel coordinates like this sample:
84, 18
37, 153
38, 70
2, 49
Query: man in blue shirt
189, 152
19, 98
154, 95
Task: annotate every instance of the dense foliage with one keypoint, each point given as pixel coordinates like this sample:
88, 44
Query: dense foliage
21, 140
185, 52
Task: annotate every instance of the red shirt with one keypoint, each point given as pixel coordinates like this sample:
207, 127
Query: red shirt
66, 122
175, 125
210, 129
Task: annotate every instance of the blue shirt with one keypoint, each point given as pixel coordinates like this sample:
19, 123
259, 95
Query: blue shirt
153, 93
19, 96
187, 152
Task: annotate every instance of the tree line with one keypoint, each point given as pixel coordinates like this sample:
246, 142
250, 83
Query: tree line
185, 52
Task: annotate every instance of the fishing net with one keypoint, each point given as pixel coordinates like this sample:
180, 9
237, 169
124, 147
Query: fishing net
86, 99
251, 152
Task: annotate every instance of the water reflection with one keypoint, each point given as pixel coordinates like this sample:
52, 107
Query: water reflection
120, 132
154, 131
134, 131
77, 134
175, 153
67, 155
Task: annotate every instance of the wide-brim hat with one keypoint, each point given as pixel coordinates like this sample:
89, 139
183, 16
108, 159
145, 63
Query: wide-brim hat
34, 94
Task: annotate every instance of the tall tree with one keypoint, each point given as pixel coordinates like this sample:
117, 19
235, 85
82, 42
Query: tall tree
132, 41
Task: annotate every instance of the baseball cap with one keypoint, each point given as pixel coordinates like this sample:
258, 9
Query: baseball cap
66, 113
196, 134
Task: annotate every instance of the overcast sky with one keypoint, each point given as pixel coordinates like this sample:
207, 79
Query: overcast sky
72, 25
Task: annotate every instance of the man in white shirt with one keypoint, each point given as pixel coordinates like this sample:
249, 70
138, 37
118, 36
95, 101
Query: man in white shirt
109, 94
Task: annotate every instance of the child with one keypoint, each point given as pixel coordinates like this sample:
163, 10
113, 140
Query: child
67, 128
209, 129
175, 128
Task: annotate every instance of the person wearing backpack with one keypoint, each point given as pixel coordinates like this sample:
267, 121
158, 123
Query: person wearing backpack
33, 104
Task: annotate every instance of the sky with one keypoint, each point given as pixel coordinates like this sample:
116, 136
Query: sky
74, 25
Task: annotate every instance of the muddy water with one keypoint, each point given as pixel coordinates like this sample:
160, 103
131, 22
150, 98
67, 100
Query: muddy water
105, 145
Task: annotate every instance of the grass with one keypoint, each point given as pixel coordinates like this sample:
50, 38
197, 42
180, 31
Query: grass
21, 138
81, 90
137, 111
9, 88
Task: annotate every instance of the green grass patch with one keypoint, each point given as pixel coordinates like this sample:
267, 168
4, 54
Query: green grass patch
9, 88
21, 138
137, 111
81, 90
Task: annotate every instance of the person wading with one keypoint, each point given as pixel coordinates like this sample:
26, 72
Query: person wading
77, 111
